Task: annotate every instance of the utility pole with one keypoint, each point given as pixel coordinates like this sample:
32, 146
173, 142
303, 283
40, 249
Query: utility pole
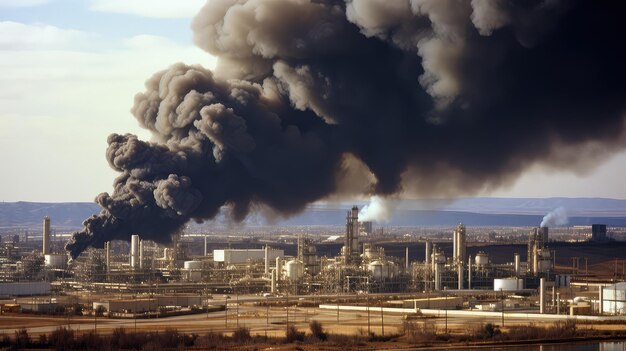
382, 320
267, 315
237, 309
502, 302
368, 315
445, 296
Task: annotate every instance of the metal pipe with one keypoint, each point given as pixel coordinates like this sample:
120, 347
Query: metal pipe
469, 273
406, 259
542, 298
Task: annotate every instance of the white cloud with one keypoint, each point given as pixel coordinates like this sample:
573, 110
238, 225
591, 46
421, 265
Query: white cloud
59, 103
150, 8
22, 3
19, 36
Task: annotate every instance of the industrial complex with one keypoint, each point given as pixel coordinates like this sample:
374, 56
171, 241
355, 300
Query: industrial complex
200, 274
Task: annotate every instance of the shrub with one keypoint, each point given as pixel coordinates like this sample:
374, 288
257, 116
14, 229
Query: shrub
62, 338
317, 331
22, 339
292, 334
241, 334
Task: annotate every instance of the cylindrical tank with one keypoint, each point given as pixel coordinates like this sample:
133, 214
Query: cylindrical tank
370, 254
55, 261
376, 268
273, 286
508, 284
134, 251
46, 236
279, 269
294, 269
194, 276
140, 254
545, 261
266, 259
482, 259
193, 265
517, 264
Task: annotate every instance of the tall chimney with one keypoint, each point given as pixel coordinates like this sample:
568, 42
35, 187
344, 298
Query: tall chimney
134, 252
406, 259
267, 260
428, 250
46, 236
517, 265
107, 250
140, 254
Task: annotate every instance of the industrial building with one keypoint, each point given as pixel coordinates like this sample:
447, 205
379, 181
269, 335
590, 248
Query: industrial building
244, 256
598, 232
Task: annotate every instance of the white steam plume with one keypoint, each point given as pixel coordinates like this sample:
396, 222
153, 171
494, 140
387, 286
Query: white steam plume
378, 210
558, 216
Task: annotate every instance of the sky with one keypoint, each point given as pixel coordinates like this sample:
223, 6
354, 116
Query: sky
70, 70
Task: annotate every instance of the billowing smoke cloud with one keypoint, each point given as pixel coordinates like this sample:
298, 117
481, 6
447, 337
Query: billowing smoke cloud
434, 97
556, 217
379, 209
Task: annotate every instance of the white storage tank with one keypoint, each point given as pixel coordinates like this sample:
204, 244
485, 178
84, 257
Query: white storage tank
194, 276
55, 261
508, 284
193, 265
482, 259
545, 260
439, 257
294, 269
376, 268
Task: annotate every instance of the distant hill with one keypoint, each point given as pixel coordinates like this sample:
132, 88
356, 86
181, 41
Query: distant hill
471, 211
28, 214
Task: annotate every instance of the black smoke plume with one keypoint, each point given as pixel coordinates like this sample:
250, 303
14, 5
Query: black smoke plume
310, 97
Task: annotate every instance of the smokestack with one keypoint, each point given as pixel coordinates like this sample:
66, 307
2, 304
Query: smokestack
267, 260
517, 265
437, 276
287, 119
134, 252
140, 254
273, 286
46, 236
205, 246
406, 259
428, 250
107, 252
351, 252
